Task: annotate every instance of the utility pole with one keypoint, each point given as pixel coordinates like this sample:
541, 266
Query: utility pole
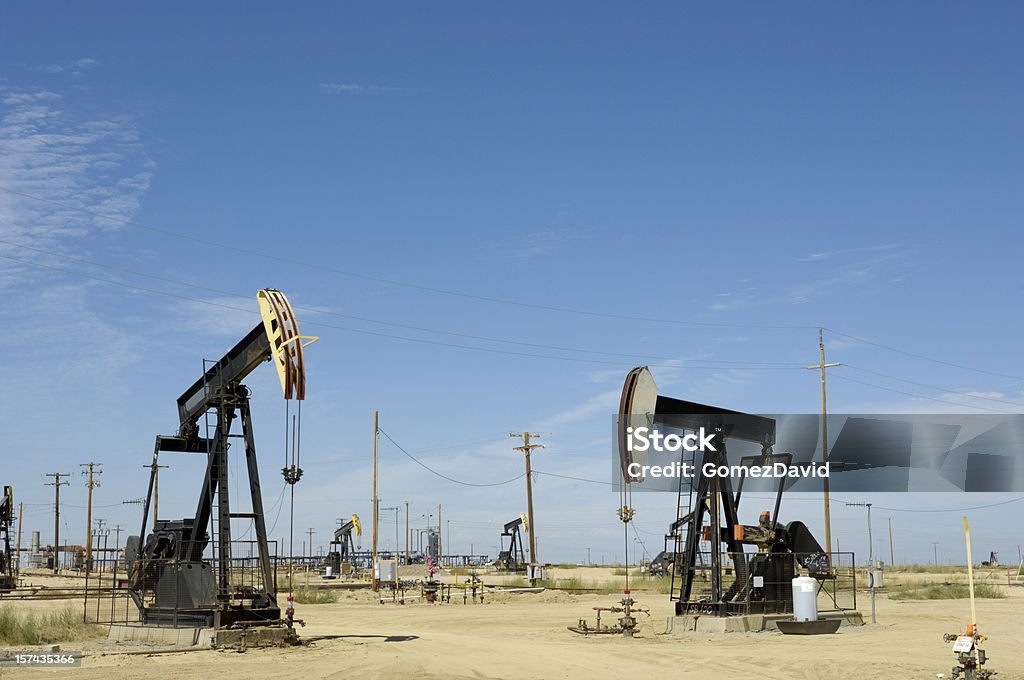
407, 532
156, 486
117, 544
17, 554
935, 552
588, 557
526, 448
310, 531
821, 366
99, 532
56, 484
376, 430
871, 556
440, 549
892, 556
89, 469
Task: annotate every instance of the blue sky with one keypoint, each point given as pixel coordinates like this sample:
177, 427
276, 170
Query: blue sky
748, 172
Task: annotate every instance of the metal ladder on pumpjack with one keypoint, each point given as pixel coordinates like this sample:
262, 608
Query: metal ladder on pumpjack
684, 511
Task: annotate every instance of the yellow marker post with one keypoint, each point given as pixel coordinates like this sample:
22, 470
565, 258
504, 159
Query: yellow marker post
970, 576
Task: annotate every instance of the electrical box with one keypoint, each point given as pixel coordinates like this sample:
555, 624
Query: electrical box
386, 571
535, 572
875, 579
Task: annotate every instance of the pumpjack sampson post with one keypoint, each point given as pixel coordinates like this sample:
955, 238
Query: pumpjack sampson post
173, 578
708, 512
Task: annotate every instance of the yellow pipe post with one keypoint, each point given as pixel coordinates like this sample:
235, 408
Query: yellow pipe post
970, 576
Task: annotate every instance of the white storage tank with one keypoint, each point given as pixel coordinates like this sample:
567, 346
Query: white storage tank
805, 599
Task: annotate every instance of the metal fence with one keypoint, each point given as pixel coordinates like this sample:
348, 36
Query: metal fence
106, 596
761, 583
175, 593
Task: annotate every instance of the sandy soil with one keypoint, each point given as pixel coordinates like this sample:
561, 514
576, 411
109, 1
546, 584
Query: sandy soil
516, 636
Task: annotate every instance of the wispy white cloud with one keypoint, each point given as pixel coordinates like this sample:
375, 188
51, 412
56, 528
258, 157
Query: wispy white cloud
829, 254
87, 63
540, 242
76, 68
46, 151
62, 337
357, 88
547, 241
838, 343
606, 402
843, 270
844, 276
734, 299
219, 317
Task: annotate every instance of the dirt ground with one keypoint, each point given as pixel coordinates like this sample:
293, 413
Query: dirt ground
524, 635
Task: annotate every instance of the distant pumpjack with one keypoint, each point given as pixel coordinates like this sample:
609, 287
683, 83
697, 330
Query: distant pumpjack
514, 558
343, 549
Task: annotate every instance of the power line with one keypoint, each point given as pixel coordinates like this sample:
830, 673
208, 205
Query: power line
575, 479
831, 500
920, 396
443, 447
976, 507
959, 509
391, 282
934, 387
462, 294
922, 356
484, 298
392, 324
637, 537
384, 335
442, 475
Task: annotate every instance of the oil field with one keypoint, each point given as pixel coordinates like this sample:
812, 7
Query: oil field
457, 341
198, 587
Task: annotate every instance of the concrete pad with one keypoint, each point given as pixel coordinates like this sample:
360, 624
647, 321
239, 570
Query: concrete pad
201, 638
206, 638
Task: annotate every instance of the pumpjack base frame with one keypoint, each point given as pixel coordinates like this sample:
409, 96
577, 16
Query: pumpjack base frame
208, 618
749, 623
